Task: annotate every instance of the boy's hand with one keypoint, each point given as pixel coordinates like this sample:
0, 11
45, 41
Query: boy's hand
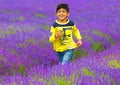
59, 34
79, 43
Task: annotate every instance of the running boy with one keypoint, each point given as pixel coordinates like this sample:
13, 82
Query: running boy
61, 35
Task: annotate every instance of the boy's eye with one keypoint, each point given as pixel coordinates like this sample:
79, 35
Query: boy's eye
61, 12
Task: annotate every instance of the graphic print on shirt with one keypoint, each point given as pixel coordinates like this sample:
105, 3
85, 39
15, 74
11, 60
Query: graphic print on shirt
51, 33
66, 35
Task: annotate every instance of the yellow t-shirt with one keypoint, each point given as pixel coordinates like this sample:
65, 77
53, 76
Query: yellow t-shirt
66, 41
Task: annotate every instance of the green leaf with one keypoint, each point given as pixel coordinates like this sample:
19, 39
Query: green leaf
21, 18
78, 53
46, 27
0, 80
98, 32
40, 15
22, 69
114, 64
86, 72
97, 47
61, 81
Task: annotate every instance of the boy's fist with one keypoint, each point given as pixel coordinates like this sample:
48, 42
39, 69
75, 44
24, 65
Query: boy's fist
59, 34
79, 43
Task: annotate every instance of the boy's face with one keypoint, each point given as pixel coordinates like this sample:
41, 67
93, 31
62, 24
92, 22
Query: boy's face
62, 14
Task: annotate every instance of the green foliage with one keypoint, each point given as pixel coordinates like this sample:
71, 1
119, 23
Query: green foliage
8, 32
98, 32
86, 72
42, 80
15, 83
1, 65
22, 69
114, 64
61, 80
109, 39
1, 57
21, 18
40, 15
8, 71
13, 51
110, 79
49, 82
31, 40
105, 35
2, 34
0, 80
80, 53
43, 43
97, 47
45, 81
72, 79
46, 27
13, 68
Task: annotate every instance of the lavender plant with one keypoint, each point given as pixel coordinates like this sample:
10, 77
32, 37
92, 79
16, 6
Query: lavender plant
26, 56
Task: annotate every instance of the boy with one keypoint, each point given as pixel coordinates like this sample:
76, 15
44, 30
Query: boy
61, 35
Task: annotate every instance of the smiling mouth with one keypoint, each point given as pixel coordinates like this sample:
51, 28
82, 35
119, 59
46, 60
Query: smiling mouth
61, 16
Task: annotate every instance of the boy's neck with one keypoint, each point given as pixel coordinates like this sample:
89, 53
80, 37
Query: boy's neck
62, 21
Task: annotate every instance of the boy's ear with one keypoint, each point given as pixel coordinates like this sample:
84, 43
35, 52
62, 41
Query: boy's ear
56, 14
68, 14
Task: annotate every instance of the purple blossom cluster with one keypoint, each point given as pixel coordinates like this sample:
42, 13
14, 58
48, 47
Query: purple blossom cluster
27, 57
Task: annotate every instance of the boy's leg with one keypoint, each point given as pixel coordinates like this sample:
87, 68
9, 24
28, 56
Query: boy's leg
67, 56
60, 56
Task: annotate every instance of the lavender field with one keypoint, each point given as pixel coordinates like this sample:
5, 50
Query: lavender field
27, 57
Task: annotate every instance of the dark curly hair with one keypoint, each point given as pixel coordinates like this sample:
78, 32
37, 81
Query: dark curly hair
64, 6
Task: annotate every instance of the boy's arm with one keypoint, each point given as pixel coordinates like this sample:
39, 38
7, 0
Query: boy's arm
52, 35
77, 35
